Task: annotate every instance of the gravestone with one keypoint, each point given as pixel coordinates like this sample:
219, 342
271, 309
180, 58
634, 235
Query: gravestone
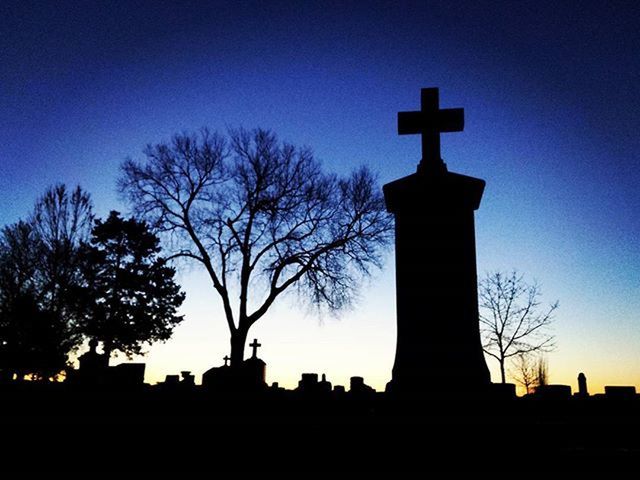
438, 347
93, 362
218, 378
126, 375
553, 392
188, 379
93, 370
502, 391
254, 370
250, 376
324, 386
308, 383
620, 392
583, 391
358, 387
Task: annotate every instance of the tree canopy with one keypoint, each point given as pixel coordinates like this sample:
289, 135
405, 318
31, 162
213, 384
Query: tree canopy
62, 281
40, 276
131, 295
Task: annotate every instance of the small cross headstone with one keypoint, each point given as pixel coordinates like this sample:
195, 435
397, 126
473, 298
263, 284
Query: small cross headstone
430, 121
255, 346
226, 360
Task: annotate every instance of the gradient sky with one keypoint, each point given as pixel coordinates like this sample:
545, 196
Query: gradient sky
551, 93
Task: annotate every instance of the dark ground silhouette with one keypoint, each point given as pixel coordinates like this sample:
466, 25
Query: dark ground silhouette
176, 429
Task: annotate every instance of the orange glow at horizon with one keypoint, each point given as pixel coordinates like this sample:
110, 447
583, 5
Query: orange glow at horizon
360, 343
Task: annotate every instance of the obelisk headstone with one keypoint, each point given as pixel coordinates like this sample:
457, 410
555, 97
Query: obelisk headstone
583, 391
438, 347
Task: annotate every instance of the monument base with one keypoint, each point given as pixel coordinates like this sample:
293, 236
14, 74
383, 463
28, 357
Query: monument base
438, 349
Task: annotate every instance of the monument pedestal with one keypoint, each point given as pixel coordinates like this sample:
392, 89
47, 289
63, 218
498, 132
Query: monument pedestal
439, 349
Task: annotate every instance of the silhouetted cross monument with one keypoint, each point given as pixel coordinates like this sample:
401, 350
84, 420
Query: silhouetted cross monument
430, 121
226, 360
438, 347
255, 346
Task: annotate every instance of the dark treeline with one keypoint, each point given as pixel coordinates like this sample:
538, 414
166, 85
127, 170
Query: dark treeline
66, 277
185, 428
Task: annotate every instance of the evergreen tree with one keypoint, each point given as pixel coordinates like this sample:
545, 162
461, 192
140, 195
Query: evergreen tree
130, 291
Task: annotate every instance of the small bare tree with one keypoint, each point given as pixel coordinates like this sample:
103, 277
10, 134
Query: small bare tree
530, 370
261, 217
512, 319
524, 371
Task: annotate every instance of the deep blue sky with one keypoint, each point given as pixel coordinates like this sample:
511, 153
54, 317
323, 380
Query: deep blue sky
551, 93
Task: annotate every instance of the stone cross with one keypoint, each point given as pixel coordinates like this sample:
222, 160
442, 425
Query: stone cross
430, 121
226, 360
255, 346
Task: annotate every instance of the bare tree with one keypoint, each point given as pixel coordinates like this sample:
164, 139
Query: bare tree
524, 371
512, 318
261, 217
530, 370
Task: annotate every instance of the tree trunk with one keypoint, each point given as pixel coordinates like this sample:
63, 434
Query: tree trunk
238, 340
107, 350
502, 375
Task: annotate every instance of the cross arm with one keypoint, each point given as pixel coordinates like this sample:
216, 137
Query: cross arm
409, 123
451, 120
